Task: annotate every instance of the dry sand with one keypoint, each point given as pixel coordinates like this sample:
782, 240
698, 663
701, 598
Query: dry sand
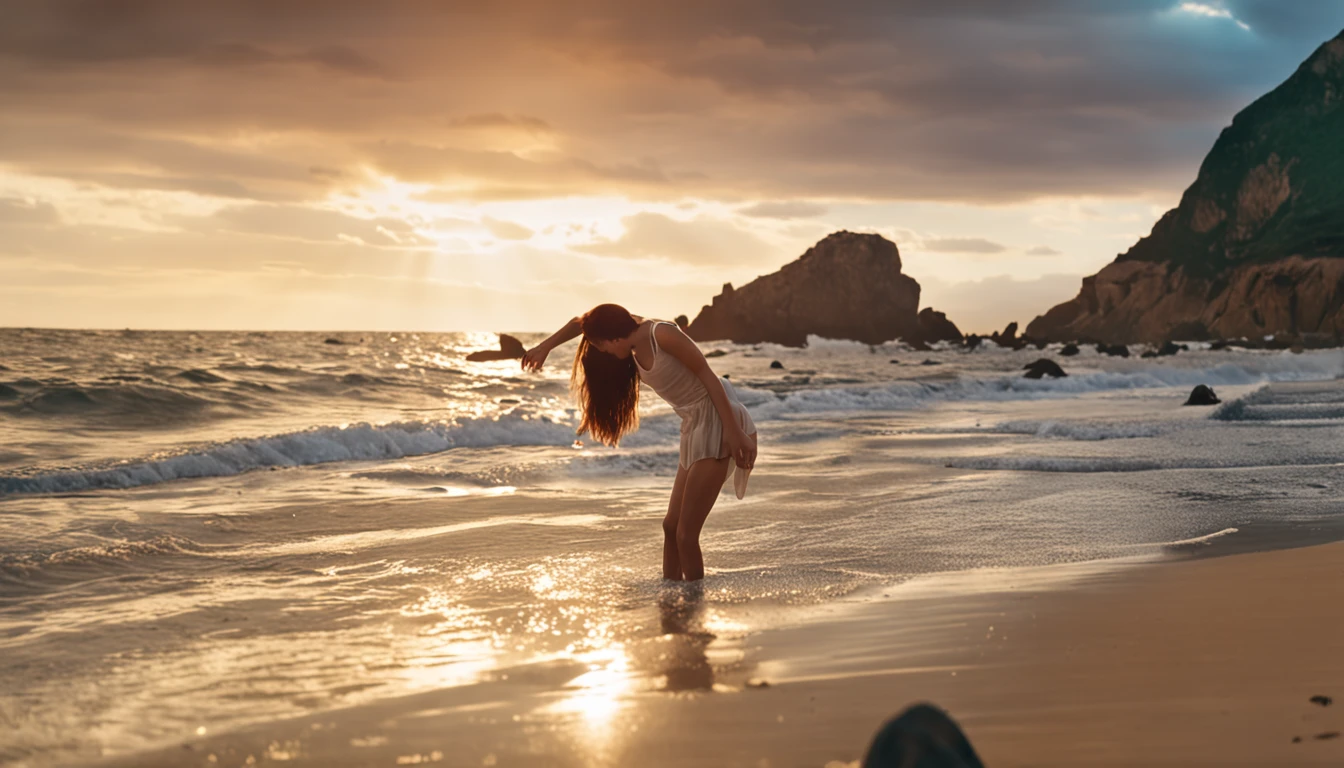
1191, 662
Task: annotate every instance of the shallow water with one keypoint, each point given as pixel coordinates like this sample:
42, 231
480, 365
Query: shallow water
199, 531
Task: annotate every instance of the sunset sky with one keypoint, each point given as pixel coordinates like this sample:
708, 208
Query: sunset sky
505, 165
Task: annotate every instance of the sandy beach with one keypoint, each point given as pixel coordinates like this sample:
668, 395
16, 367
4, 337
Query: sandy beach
1204, 661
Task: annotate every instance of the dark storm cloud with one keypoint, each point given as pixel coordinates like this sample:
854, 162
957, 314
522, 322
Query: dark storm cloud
977, 100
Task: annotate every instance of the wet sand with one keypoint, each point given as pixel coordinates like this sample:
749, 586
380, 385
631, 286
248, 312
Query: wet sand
1186, 662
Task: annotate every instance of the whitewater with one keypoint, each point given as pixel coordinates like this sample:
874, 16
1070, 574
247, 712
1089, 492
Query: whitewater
205, 530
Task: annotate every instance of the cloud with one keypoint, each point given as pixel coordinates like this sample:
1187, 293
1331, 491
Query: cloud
19, 211
784, 210
971, 101
962, 245
1042, 250
311, 224
699, 241
506, 230
1211, 11
549, 174
496, 120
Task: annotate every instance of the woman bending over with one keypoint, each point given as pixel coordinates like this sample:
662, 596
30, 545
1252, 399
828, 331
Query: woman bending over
718, 437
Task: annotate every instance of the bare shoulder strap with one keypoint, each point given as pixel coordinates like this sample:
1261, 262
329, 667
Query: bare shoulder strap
653, 336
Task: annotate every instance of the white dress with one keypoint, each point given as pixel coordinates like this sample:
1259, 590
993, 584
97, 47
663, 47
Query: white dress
701, 427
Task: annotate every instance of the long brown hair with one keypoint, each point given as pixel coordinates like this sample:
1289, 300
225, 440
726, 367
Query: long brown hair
606, 386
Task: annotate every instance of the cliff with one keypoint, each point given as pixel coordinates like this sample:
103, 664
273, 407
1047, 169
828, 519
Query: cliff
1253, 248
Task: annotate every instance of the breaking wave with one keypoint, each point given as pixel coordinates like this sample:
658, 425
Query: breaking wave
315, 446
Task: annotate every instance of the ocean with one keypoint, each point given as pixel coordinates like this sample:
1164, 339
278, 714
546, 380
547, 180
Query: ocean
202, 531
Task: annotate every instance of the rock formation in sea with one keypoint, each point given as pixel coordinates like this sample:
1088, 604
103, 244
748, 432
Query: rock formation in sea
848, 286
510, 348
934, 327
1256, 246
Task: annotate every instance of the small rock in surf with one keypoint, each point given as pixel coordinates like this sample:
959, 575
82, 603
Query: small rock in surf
1044, 367
1202, 395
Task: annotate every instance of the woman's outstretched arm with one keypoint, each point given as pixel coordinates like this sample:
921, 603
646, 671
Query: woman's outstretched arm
535, 357
680, 346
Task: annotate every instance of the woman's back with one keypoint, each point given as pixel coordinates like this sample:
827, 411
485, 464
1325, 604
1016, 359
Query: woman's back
669, 377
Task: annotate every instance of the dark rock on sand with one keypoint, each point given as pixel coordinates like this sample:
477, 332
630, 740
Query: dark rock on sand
1219, 344
1202, 395
1044, 367
1069, 350
1324, 701
1255, 245
333, 341
1327, 735
509, 349
930, 362
848, 286
775, 364
922, 736
716, 353
935, 327
895, 362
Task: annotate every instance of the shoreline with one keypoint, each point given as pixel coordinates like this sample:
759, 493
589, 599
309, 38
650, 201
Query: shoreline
1184, 661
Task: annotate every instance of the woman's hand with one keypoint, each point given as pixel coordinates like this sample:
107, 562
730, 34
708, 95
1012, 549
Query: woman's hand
742, 446
535, 357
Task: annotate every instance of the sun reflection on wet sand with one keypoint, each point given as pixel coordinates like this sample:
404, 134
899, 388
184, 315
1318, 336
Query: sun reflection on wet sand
594, 703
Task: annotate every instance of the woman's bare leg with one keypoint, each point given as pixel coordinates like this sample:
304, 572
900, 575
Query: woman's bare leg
704, 480
671, 558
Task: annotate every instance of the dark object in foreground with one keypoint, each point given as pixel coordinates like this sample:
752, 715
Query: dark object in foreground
1202, 395
923, 736
509, 349
1069, 350
1044, 367
776, 365
1324, 701
332, 340
930, 362
1327, 735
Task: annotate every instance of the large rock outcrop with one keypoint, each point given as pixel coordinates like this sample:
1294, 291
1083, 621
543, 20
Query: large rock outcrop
1255, 246
848, 286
